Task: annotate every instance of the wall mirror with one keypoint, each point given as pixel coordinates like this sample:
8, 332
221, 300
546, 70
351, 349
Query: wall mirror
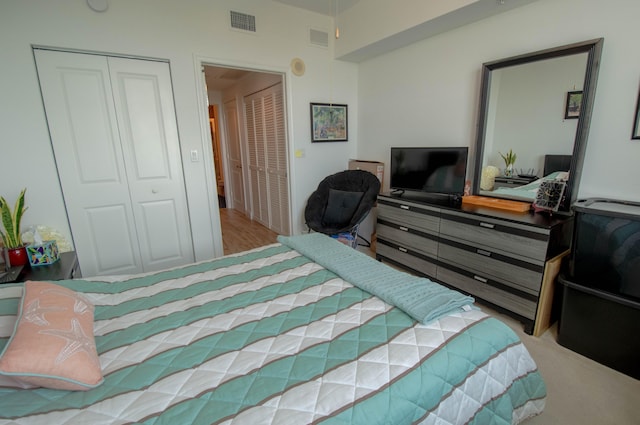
537, 106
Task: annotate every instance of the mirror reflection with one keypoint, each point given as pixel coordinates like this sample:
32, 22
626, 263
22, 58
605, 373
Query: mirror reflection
527, 134
533, 124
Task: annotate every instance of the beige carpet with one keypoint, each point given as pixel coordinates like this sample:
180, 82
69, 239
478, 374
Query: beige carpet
580, 391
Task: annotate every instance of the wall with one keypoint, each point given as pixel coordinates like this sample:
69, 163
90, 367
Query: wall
185, 33
426, 94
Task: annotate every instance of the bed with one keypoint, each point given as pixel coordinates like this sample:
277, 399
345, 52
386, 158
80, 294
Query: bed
528, 191
281, 334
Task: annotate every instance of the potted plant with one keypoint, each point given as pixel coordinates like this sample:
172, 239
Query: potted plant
509, 161
11, 237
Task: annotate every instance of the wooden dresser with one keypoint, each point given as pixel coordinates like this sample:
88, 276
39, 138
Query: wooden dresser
506, 260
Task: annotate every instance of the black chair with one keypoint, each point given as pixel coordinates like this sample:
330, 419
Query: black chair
341, 202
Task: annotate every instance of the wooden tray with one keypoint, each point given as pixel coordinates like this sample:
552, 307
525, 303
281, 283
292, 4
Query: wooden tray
500, 204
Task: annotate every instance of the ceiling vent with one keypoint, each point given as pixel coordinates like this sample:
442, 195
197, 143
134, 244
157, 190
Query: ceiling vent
243, 21
318, 38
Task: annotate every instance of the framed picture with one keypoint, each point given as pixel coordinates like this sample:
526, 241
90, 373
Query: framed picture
328, 122
574, 102
636, 121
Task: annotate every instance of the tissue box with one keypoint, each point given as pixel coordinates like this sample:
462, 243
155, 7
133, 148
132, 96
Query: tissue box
44, 254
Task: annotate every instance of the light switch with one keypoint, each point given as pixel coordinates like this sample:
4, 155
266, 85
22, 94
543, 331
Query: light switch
194, 156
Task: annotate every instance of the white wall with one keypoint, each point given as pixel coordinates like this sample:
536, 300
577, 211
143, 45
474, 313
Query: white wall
426, 94
185, 33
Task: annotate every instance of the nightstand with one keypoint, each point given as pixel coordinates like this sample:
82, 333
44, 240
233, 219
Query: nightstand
66, 267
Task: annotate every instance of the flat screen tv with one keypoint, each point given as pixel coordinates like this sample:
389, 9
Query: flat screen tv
432, 170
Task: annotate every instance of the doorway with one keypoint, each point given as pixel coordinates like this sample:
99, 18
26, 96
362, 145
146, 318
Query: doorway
250, 154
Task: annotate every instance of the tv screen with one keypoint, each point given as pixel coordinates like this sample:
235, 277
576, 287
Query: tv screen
433, 170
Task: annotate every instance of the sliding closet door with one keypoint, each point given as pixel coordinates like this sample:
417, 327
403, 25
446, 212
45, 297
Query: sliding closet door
267, 152
112, 127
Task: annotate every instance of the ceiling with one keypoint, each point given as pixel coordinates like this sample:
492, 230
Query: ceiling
326, 7
219, 78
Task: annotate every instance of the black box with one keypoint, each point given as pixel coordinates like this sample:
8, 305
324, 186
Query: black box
600, 307
601, 326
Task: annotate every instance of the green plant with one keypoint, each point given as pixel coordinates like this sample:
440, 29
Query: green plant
11, 237
509, 158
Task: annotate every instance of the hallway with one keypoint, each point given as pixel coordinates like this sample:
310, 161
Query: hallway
240, 233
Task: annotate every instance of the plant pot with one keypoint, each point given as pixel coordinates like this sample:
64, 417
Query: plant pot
17, 256
509, 170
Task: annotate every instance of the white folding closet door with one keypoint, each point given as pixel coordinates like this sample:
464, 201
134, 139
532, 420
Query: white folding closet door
267, 149
112, 125
148, 131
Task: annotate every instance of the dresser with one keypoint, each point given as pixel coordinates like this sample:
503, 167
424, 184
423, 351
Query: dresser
506, 260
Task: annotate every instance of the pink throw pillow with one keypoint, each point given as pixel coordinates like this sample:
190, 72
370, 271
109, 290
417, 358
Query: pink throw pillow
53, 345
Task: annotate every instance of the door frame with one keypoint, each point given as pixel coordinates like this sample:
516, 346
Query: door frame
207, 153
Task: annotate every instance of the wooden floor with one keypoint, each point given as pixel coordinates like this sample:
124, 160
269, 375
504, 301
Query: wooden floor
239, 233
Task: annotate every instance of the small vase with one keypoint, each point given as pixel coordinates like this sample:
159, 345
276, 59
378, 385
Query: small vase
509, 170
17, 256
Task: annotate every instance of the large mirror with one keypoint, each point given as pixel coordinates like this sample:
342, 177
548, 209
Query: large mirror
537, 107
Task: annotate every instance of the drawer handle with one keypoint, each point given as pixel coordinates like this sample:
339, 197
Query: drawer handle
480, 279
483, 252
404, 207
402, 249
404, 229
487, 225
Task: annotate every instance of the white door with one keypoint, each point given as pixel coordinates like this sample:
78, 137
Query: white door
267, 153
234, 156
114, 136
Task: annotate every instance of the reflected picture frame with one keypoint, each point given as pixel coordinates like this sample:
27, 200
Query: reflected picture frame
329, 122
573, 105
635, 134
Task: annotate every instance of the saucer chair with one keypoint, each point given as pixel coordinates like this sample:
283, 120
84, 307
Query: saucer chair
340, 203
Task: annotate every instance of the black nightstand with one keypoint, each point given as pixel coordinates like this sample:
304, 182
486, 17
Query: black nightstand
66, 267
503, 181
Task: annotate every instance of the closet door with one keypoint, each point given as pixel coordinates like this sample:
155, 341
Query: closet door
234, 156
115, 143
146, 116
267, 147
257, 156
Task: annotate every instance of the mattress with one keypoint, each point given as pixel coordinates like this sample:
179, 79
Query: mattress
272, 336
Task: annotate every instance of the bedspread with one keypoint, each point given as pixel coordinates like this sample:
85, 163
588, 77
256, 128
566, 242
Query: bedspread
270, 336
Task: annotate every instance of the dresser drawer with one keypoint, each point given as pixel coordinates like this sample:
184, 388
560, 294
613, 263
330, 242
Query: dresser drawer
410, 215
407, 258
511, 241
520, 305
408, 238
520, 275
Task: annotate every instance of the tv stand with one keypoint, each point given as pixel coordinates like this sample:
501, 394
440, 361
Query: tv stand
506, 260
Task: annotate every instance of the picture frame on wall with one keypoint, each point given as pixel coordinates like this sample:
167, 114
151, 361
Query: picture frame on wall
573, 105
635, 135
329, 122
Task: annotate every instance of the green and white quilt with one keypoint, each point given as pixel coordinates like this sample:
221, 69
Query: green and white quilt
271, 336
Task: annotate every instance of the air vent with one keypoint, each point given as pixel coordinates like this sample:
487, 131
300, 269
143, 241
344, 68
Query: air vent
242, 21
318, 37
